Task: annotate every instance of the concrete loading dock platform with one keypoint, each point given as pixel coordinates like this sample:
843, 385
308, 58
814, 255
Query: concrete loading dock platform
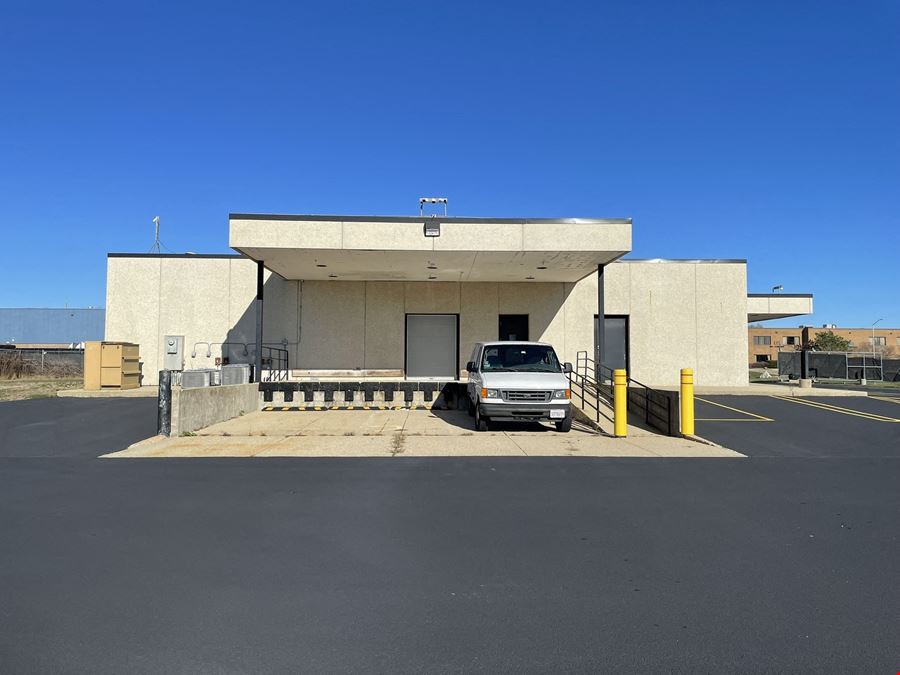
404, 433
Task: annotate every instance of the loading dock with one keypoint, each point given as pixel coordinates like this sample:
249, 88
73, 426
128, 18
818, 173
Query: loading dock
347, 297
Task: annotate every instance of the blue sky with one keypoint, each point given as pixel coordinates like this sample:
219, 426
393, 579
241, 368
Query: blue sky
760, 130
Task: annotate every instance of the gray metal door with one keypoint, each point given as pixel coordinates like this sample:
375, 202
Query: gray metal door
431, 345
615, 335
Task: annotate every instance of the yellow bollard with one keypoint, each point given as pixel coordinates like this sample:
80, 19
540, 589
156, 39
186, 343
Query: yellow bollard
687, 401
620, 402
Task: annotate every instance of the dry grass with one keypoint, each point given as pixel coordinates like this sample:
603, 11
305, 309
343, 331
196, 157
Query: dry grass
34, 387
18, 364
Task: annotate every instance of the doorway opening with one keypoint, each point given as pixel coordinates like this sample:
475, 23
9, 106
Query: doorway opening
513, 327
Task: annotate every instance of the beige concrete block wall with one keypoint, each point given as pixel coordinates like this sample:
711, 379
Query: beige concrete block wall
132, 308
384, 324
207, 300
361, 325
682, 314
332, 325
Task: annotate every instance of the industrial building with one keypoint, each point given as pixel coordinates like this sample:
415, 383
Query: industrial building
407, 297
55, 327
764, 344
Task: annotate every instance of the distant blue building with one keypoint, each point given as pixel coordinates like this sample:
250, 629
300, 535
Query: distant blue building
50, 326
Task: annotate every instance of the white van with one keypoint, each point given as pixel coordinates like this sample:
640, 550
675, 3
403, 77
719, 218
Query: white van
518, 381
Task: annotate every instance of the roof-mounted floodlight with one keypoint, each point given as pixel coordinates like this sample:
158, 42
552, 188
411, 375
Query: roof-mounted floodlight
777, 288
431, 200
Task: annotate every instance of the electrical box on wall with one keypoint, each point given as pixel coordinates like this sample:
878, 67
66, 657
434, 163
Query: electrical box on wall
173, 352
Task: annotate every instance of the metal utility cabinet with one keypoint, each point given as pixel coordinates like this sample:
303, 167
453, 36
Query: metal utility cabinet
111, 365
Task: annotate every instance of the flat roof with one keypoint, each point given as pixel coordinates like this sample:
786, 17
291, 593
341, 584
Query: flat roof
418, 219
694, 261
174, 255
779, 295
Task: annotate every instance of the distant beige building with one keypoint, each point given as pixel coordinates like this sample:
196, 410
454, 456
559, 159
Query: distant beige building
369, 297
765, 343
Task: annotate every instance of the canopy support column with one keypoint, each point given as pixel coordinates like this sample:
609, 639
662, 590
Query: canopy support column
260, 268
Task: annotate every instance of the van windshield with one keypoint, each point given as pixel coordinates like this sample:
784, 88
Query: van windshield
519, 358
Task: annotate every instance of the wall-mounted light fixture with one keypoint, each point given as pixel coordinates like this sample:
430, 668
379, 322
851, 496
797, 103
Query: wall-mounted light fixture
432, 227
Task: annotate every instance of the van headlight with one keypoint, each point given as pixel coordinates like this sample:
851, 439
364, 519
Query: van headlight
562, 393
490, 393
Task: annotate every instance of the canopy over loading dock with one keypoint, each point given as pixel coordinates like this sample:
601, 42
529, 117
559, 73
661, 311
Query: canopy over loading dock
766, 306
429, 248
367, 248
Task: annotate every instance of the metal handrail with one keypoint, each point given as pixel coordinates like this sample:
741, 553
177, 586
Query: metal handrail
277, 361
583, 364
588, 385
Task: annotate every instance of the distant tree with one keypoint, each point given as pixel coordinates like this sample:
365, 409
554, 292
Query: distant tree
827, 341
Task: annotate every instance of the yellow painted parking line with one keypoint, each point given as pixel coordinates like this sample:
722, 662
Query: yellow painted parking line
727, 419
759, 418
838, 409
892, 399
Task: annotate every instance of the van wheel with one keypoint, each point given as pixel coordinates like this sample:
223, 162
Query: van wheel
481, 423
471, 407
564, 425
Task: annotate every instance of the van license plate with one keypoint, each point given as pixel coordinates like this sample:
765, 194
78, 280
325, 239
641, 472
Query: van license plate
557, 414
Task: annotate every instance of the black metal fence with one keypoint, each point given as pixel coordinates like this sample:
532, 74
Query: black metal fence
839, 366
658, 408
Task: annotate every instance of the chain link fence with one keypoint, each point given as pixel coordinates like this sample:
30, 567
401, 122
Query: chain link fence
17, 363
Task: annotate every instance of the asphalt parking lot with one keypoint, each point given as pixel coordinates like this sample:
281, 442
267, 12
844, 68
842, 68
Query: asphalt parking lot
71, 428
779, 426
786, 561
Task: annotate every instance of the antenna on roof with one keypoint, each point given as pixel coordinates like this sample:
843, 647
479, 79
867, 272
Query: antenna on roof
431, 200
156, 244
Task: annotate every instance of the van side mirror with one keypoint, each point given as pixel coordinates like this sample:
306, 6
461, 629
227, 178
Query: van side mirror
567, 367
470, 366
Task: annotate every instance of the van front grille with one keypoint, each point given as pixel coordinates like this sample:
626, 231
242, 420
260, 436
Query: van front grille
523, 395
